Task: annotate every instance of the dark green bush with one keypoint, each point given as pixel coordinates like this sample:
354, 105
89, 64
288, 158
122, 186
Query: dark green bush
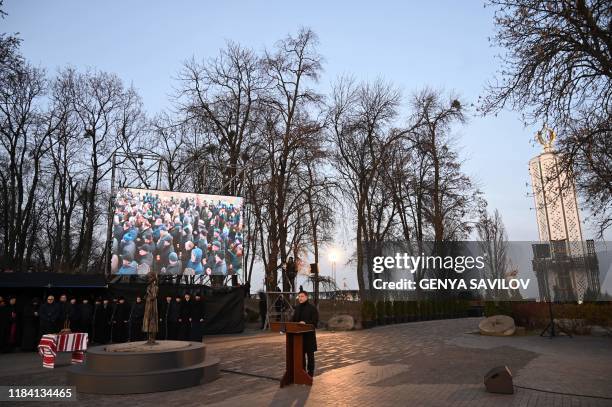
498, 308
388, 308
398, 309
380, 310
251, 316
368, 311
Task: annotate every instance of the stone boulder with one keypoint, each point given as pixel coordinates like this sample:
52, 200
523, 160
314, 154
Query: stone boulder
341, 322
497, 325
597, 330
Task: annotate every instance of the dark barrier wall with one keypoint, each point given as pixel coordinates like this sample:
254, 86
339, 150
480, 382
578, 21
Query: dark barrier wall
26, 286
51, 280
224, 307
225, 312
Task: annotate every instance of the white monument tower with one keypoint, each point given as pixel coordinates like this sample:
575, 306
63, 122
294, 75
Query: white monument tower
562, 270
555, 195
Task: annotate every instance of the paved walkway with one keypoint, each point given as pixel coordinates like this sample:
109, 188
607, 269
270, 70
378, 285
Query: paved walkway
435, 363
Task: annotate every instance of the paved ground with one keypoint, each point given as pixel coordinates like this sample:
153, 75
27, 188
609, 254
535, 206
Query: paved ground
435, 363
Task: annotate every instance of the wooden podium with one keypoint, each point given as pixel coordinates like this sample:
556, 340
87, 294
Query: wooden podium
294, 370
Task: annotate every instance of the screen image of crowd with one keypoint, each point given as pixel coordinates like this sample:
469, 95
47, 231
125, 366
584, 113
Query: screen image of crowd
177, 234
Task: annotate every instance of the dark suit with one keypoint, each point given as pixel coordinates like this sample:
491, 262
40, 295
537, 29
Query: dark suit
73, 316
86, 318
64, 307
102, 322
309, 314
50, 315
173, 319
136, 317
30, 336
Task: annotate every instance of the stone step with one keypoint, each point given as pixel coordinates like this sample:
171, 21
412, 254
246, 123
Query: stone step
121, 382
99, 359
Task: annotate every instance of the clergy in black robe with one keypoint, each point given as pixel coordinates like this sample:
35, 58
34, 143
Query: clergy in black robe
307, 313
14, 327
136, 317
185, 319
102, 320
86, 317
164, 307
173, 318
30, 334
50, 316
121, 318
197, 319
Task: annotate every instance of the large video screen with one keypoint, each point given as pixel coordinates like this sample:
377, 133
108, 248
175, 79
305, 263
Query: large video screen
176, 233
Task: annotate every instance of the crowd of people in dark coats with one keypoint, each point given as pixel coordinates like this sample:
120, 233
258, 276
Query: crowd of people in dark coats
176, 234
106, 320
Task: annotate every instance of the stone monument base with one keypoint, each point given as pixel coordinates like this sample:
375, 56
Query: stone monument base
137, 367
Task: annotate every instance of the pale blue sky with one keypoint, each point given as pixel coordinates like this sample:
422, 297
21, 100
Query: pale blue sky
413, 44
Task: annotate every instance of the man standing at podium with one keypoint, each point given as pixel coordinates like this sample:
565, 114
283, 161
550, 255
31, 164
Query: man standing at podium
306, 313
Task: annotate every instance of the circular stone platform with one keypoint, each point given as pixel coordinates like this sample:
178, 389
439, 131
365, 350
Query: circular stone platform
136, 367
143, 346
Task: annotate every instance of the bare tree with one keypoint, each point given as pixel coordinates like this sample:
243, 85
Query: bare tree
222, 95
110, 116
289, 129
320, 200
63, 174
171, 149
25, 127
448, 193
407, 181
557, 69
361, 118
493, 242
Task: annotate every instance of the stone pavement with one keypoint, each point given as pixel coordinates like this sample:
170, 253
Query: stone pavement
434, 363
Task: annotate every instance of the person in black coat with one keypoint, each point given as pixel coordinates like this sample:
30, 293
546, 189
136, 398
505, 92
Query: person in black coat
173, 318
102, 321
197, 319
86, 317
30, 336
50, 316
121, 318
14, 327
185, 318
4, 325
64, 306
136, 317
94, 318
263, 308
290, 272
73, 315
164, 308
306, 313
